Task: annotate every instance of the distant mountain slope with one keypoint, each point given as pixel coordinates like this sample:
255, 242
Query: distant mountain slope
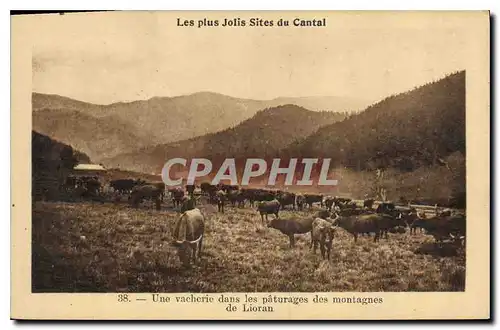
40, 101
404, 131
169, 119
323, 103
97, 137
263, 135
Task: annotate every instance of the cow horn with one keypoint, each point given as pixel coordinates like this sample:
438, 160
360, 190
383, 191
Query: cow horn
196, 241
192, 242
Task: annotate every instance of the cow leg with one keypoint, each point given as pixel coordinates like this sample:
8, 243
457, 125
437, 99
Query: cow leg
292, 240
199, 248
355, 237
158, 204
322, 249
312, 240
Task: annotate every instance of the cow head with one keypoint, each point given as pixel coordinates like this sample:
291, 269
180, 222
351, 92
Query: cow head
274, 223
184, 249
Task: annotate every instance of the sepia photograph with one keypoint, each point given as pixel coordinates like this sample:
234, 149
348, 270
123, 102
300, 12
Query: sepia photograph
206, 157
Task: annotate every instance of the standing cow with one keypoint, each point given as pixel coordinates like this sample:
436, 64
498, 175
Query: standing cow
220, 198
286, 198
177, 195
268, 207
190, 189
322, 234
367, 223
310, 199
300, 200
291, 227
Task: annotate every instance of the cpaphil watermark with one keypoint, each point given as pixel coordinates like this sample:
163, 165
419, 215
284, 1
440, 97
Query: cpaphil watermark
307, 172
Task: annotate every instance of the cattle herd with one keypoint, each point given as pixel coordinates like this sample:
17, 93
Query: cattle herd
365, 218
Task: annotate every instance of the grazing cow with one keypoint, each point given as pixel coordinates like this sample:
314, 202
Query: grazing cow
145, 192
453, 226
220, 198
322, 233
291, 227
367, 223
268, 207
177, 195
300, 200
368, 203
310, 199
286, 198
329, 202
188, 235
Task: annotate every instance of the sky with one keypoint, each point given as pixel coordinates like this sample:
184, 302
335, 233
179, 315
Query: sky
111, 57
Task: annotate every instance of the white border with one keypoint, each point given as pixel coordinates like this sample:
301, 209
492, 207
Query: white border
492, 5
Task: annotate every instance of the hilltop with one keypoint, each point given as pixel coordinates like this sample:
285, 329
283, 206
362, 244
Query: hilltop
263, 135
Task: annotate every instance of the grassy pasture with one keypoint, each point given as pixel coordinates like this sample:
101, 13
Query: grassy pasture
109, 247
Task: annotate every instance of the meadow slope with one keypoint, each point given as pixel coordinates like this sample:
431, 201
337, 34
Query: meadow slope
109, 247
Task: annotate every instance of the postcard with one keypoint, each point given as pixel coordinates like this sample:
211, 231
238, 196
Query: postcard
250, 165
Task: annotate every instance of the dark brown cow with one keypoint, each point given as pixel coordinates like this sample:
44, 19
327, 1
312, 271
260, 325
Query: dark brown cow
286, 198
220, 198
368, 203
177, 195
190, 189
139, 193
291, 227
268, 207
236, 197
367, 223
188, 235
445, 227
310, 199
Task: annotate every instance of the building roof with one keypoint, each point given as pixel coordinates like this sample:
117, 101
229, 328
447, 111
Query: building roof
89, 167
